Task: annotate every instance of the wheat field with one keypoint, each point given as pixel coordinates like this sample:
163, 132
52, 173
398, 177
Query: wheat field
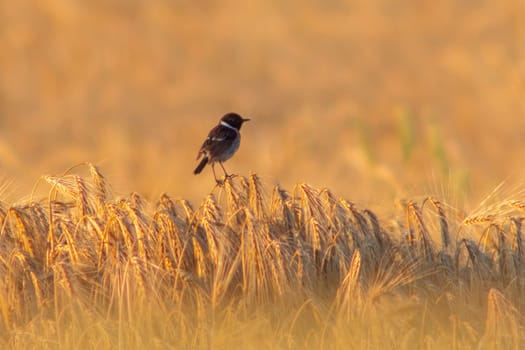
367, 212
252, 267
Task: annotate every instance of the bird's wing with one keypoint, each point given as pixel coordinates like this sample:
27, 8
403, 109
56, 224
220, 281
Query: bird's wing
222, 144
219, 139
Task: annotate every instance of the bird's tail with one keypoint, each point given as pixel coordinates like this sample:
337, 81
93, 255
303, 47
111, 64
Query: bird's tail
201, 165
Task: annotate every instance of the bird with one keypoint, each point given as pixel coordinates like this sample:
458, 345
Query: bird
221, 144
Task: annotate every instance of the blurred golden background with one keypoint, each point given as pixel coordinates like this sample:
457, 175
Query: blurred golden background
374, 99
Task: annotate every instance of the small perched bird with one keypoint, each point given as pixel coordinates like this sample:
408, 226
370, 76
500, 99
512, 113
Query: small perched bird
222, 143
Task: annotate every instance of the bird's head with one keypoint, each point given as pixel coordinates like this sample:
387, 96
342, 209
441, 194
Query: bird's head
234, 120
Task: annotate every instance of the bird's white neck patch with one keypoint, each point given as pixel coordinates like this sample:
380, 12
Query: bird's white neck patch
223, 123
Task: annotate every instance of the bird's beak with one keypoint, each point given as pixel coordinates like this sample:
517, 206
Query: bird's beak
246, 119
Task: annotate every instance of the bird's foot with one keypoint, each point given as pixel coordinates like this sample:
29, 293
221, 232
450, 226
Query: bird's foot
227, 177
230, 176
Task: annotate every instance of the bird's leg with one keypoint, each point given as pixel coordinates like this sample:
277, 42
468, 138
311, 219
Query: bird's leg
219, 182
223, 169
225, 172
226, 175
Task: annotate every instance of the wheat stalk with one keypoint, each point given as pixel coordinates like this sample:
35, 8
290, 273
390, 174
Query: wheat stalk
307, 258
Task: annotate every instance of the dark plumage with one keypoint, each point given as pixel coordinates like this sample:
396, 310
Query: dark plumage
222, 143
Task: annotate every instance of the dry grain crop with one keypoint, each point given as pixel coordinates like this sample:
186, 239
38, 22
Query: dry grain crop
251, 268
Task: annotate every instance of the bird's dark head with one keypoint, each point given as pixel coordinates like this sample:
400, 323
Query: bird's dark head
234, 120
